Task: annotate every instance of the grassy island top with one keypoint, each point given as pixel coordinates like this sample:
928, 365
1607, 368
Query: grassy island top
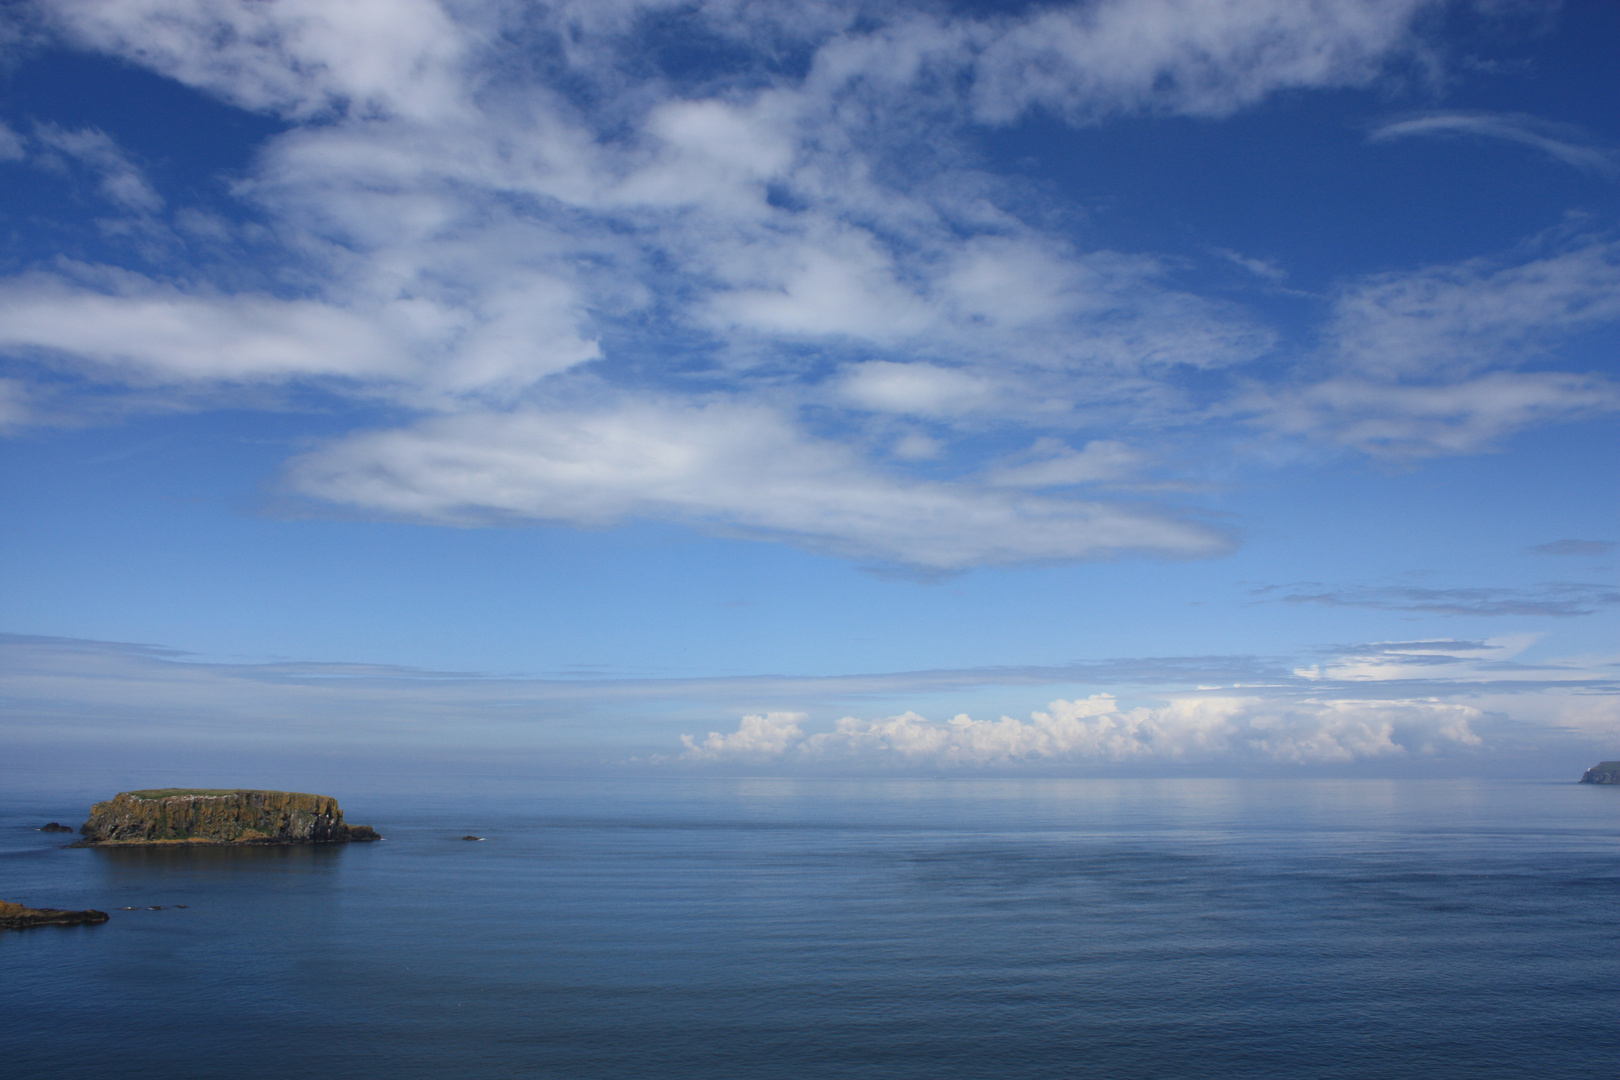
171, 792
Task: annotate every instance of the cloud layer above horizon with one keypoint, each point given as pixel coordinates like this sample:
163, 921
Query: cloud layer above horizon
773, 288
1371, 708
1193, 730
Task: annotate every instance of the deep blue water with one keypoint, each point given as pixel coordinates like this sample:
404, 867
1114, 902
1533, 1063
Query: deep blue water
773, 928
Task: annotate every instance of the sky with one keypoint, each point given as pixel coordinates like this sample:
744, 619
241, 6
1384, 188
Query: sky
1121, 387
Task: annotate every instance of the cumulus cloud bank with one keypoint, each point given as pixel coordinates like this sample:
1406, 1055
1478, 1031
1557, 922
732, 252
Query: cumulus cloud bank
1095, 730
764, 298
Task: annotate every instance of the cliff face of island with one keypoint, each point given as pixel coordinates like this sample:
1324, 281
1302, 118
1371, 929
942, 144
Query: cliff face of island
218, 816
1604, 772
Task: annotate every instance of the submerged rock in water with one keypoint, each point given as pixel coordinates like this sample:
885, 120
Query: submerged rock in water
16, 916
56, 826
218, 816
1604, 772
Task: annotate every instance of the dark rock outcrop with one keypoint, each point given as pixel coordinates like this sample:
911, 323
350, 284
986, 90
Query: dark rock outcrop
17, 917
218, 816
56, 826
1604, 772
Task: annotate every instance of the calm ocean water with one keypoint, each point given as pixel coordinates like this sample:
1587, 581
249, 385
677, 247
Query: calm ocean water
775, 928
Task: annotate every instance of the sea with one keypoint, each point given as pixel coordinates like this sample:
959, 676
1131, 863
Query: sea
781, 928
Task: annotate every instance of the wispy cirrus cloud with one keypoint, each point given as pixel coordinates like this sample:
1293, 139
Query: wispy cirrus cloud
120, 181
1557, 599
1434, 361
1433, 661
1559, 141
1088, 61
1576, 547
1402, 420
1476, 315
299, 58
12, 147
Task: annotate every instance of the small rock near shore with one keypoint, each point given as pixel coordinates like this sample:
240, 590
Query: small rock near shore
18, 917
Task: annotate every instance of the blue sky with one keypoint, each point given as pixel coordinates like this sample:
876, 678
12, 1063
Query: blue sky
1097, 387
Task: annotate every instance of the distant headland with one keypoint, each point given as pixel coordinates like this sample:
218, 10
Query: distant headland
1604, 772
218, 816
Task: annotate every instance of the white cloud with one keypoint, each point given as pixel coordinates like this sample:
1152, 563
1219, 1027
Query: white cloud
122, 182
1427, 660
11, 145
1004, 282
1304, 731
202, 225
918, 389
1399, 420
639, 298
1200, 57
915, 446
1264, 269
1430, 361
134, 329
14, 408
704, 137
297, 57
1476, 314
725, 467
151, 332
1555, 140
837, 285
1051, 463
765, 736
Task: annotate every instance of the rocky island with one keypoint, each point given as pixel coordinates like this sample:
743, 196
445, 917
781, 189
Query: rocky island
218, 816
1604, 772
17, 917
